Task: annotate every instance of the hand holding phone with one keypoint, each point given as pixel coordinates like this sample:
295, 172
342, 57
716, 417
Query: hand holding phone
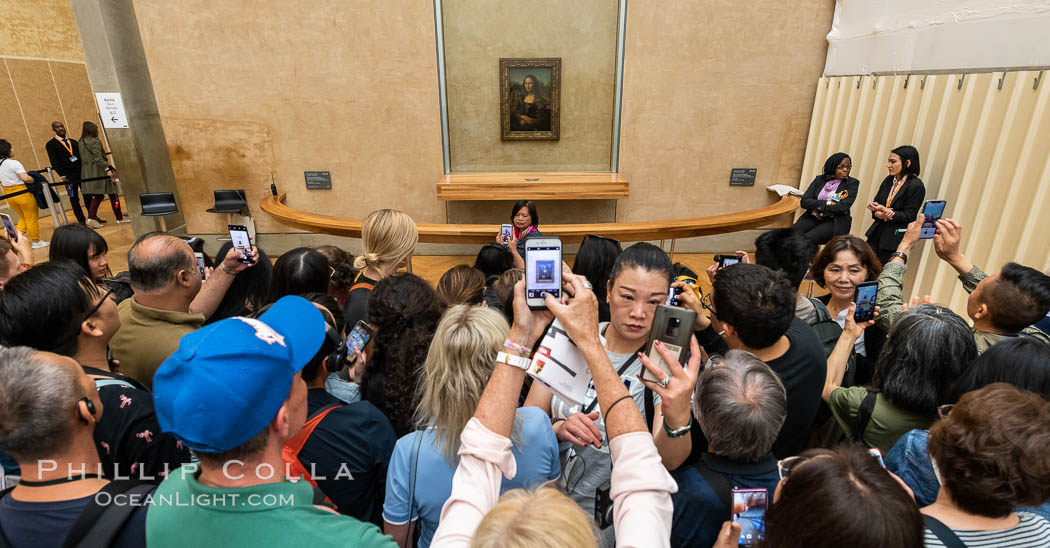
865, 300
932, 210
543, 264
672, 326
200, 264
749, 510
358, 339
727, 260
242, 242
506, 232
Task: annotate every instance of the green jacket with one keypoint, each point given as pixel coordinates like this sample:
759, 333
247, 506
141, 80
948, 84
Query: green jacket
891, 304
94, 165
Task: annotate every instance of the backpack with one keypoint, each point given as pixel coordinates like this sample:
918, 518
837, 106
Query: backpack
828, 331
292, 448
98, 526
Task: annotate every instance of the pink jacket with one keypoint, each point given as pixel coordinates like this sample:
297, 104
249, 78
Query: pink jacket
641, 488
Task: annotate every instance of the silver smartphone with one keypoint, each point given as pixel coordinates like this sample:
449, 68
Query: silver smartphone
672, 326
542, 270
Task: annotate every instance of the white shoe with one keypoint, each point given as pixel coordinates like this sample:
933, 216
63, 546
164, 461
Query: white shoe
124, 220
93, 223
41, 243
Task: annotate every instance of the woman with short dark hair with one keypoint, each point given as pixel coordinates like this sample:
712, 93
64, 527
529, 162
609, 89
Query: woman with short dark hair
897, 202
594, 261
493, 260
83, 246
301, 270
525, 223
990, 452
828, 200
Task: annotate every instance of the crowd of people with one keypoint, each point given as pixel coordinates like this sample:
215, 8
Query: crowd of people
338, 400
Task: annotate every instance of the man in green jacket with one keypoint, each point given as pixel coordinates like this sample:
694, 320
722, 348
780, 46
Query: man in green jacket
1002, 306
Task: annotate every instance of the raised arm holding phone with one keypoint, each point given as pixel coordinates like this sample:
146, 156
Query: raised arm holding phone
640, 489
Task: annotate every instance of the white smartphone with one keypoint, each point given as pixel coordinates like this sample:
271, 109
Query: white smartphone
241, 240
505, 233
200, 264
542, 270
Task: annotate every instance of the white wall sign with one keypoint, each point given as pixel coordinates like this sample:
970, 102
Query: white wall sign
111, 108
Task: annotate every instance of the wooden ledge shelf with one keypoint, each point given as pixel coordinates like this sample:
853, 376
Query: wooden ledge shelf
532, 186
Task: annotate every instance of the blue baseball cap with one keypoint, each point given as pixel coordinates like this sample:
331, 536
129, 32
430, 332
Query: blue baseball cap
226, 381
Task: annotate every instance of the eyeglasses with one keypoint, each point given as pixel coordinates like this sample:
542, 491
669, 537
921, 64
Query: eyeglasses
599, 237
708, 302
943, 410
99, 303
785, 466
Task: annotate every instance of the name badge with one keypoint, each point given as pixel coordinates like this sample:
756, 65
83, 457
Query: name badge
72, 159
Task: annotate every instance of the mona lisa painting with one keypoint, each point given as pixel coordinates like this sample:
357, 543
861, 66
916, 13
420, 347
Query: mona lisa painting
530, 97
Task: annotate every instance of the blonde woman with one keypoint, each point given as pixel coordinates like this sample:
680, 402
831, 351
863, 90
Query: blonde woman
389, 237
461, 359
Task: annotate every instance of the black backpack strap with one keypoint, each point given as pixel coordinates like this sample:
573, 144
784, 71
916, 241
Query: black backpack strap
823, 314
943, 532
3, 540
718, 483
650, 408
98, 526
867, 407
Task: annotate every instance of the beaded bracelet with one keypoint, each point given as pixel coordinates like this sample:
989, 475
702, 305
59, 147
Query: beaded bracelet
511, 345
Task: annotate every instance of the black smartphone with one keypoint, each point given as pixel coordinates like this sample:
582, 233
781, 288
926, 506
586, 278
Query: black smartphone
672, 326
753, 519
200, 264
726, 260
542, 270
9, 227
865, 299
672, 295
241, 240
358, 339
506, 232
933, 210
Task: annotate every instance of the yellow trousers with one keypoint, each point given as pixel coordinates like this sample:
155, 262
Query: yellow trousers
26, 209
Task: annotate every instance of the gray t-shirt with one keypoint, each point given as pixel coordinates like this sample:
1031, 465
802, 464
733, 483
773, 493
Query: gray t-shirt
583, 469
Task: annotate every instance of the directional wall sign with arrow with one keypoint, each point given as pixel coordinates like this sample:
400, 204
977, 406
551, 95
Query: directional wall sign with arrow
111, 109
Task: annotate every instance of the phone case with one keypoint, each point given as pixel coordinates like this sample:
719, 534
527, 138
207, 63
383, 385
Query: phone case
865, 311
538, 304
675, 337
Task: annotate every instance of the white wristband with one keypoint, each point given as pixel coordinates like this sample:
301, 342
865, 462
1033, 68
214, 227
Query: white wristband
513, 361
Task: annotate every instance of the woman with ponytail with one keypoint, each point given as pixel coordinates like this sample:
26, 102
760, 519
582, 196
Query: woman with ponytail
389, 237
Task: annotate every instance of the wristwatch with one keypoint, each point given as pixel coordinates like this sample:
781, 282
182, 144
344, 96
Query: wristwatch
903, 256
677, 432
514, 361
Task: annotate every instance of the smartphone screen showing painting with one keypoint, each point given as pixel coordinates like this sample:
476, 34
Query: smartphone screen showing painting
530, 98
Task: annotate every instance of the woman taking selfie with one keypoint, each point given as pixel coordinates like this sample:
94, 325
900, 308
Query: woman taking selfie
638, 283
389, 237
526, 224
896, 203
827, 201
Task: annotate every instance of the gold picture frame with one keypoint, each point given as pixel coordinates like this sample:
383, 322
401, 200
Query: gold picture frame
530, 98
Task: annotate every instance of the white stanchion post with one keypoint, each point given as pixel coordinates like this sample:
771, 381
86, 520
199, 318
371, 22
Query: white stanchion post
59, 219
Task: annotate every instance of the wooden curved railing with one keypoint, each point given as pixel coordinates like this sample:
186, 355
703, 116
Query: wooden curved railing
467, 233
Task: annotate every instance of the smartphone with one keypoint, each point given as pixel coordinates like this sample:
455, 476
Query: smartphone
358, 339
200, 263
241, 240
12, 234
933, 211
506, 232
672, 295
726, 260
865, 299
753, 519
542, 270
672, 326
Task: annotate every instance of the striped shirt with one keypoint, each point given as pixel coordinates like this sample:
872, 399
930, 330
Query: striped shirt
1031, 532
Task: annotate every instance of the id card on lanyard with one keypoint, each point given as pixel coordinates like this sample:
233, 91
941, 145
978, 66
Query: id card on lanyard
68, 147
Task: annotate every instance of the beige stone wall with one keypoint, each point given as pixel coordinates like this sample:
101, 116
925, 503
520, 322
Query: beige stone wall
347, 87
714, 85
42, 29
477, 33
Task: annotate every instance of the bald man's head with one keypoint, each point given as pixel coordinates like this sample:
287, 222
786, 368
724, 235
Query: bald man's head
156, 259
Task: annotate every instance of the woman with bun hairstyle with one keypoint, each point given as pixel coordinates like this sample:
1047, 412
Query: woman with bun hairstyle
389, 237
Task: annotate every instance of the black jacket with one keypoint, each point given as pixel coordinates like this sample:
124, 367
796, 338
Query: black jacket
905, 206
59, 157
838, 211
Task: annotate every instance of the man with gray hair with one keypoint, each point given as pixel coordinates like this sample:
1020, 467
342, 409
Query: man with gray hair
740, 404
48, 411
171, 299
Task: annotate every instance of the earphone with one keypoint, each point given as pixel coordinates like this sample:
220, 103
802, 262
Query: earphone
90, 405
337, 358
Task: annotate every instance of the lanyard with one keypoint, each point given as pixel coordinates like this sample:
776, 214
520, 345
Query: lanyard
895, 191
65, 145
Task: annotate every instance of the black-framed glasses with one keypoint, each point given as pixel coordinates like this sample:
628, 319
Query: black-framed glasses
708, 302
600, 237
99, 303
